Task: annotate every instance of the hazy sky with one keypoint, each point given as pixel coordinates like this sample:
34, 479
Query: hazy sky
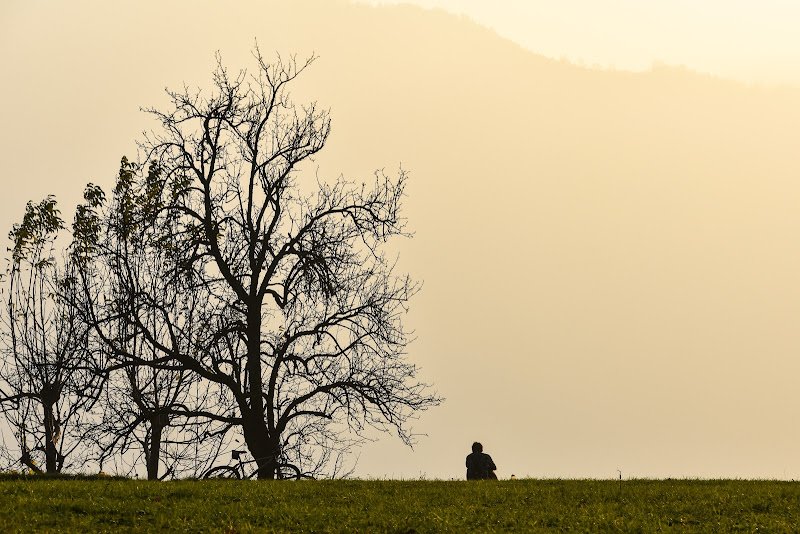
751, 41
610, 259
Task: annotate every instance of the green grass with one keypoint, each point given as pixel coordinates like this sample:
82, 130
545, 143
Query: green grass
116, 505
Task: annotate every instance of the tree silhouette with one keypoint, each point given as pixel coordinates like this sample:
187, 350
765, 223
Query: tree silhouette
302, 333
138, 301
48, 374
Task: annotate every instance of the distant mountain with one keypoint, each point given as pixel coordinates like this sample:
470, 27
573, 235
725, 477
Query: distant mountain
609, 257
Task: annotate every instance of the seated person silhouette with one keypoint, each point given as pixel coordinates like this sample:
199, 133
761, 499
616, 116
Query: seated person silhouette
480, 465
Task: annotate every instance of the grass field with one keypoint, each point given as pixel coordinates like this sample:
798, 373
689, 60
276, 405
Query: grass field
41, 504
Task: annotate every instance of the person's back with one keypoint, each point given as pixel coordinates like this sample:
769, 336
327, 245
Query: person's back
480, 465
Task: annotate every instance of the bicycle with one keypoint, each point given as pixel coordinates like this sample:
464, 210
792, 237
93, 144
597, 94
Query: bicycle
283, 471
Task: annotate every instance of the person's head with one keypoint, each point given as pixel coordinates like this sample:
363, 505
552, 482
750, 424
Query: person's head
477, 447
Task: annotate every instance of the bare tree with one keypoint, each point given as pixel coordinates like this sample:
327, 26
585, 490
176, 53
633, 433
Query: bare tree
48, 375
303, 310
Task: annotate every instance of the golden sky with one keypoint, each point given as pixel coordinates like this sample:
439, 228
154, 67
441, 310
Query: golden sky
610, 258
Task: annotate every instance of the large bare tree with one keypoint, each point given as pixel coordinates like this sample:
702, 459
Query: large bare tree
302, 307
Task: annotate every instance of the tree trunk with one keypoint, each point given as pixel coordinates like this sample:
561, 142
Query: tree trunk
263, 449
50, 435
256, 430
157, 424
155, 452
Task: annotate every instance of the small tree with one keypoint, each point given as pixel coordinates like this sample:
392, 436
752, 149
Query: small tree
48, 375
151, 409
303, 312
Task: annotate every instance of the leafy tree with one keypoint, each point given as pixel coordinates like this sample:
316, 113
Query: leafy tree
302, 333
139, 301
48, 374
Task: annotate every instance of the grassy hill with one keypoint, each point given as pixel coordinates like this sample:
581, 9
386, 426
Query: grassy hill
39, 504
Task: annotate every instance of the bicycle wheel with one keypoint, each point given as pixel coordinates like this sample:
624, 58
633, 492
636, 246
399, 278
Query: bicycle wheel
287, 472
222, 471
